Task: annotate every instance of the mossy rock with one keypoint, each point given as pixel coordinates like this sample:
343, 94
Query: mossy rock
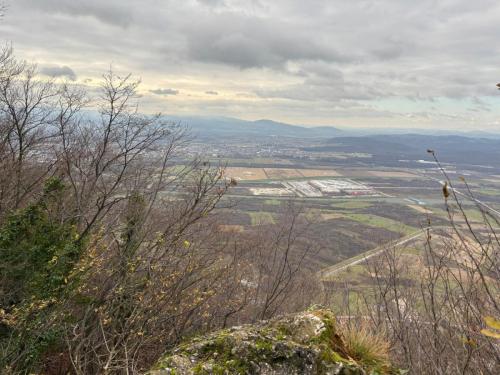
304, 343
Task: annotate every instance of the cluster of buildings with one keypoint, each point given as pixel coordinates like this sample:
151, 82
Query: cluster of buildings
342, 187
274, 147
302, 188
319, 188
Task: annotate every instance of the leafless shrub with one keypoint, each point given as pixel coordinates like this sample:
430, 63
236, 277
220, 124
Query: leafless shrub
434, 321
3, 9
26, 116
149, 262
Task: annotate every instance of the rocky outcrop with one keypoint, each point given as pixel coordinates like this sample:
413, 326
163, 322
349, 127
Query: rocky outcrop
305, 343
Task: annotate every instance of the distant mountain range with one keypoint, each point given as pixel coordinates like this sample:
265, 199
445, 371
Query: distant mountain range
231, 127
391, 148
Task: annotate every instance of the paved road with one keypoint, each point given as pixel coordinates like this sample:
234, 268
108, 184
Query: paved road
332, 270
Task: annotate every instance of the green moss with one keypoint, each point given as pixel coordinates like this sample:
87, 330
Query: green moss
198, 369
217, 356
283, 344
284, 330
329, 332
164, 363
280, 337
264, 345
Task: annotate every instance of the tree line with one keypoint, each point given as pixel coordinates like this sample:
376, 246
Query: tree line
112, 247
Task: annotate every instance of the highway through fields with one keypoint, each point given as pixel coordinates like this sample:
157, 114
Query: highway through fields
328, 272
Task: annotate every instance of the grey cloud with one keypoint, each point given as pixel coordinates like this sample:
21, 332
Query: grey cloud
306, 92
164, 92
110, 11
315, 52
322, 82
211, 93
248, 42
392, 49
59, 71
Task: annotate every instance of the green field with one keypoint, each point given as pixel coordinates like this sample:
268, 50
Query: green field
380, 222
259, 218
351, 204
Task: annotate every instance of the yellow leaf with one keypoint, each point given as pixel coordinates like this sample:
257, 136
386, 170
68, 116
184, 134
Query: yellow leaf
489, 333
467, 341
186, 244
492, 322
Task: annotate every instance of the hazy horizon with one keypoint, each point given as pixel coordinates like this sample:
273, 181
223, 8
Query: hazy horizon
368, 64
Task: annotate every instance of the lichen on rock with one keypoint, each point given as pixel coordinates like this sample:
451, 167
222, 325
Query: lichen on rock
304, 343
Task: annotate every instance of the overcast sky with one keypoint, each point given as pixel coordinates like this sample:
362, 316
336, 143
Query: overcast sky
368, 63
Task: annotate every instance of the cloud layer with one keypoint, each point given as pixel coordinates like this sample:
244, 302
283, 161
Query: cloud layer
164, 91
360, 63
59, 71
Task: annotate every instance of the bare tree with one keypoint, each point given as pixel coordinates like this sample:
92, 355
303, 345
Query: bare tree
26, 115
144, 261
433, 305
3, 9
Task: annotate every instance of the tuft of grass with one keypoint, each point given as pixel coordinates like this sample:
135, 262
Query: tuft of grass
368, 348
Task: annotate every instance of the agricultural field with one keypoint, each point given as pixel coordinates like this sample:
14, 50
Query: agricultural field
358, 273
282, 173
262, 218
250, 173
245, 174
319, 173
353, 204
420, 209
391, 174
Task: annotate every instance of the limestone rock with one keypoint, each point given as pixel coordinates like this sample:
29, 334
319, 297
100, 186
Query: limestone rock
304, 343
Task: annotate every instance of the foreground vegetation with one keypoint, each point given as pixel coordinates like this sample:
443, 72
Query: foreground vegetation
109, 255
436, 300
113, 250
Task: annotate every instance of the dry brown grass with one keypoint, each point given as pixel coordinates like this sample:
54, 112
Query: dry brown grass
331, 216
277, 173
420, 209
241, 173
231, 228
319, 173
368, 348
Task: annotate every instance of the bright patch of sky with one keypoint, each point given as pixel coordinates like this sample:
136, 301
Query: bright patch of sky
366, 63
